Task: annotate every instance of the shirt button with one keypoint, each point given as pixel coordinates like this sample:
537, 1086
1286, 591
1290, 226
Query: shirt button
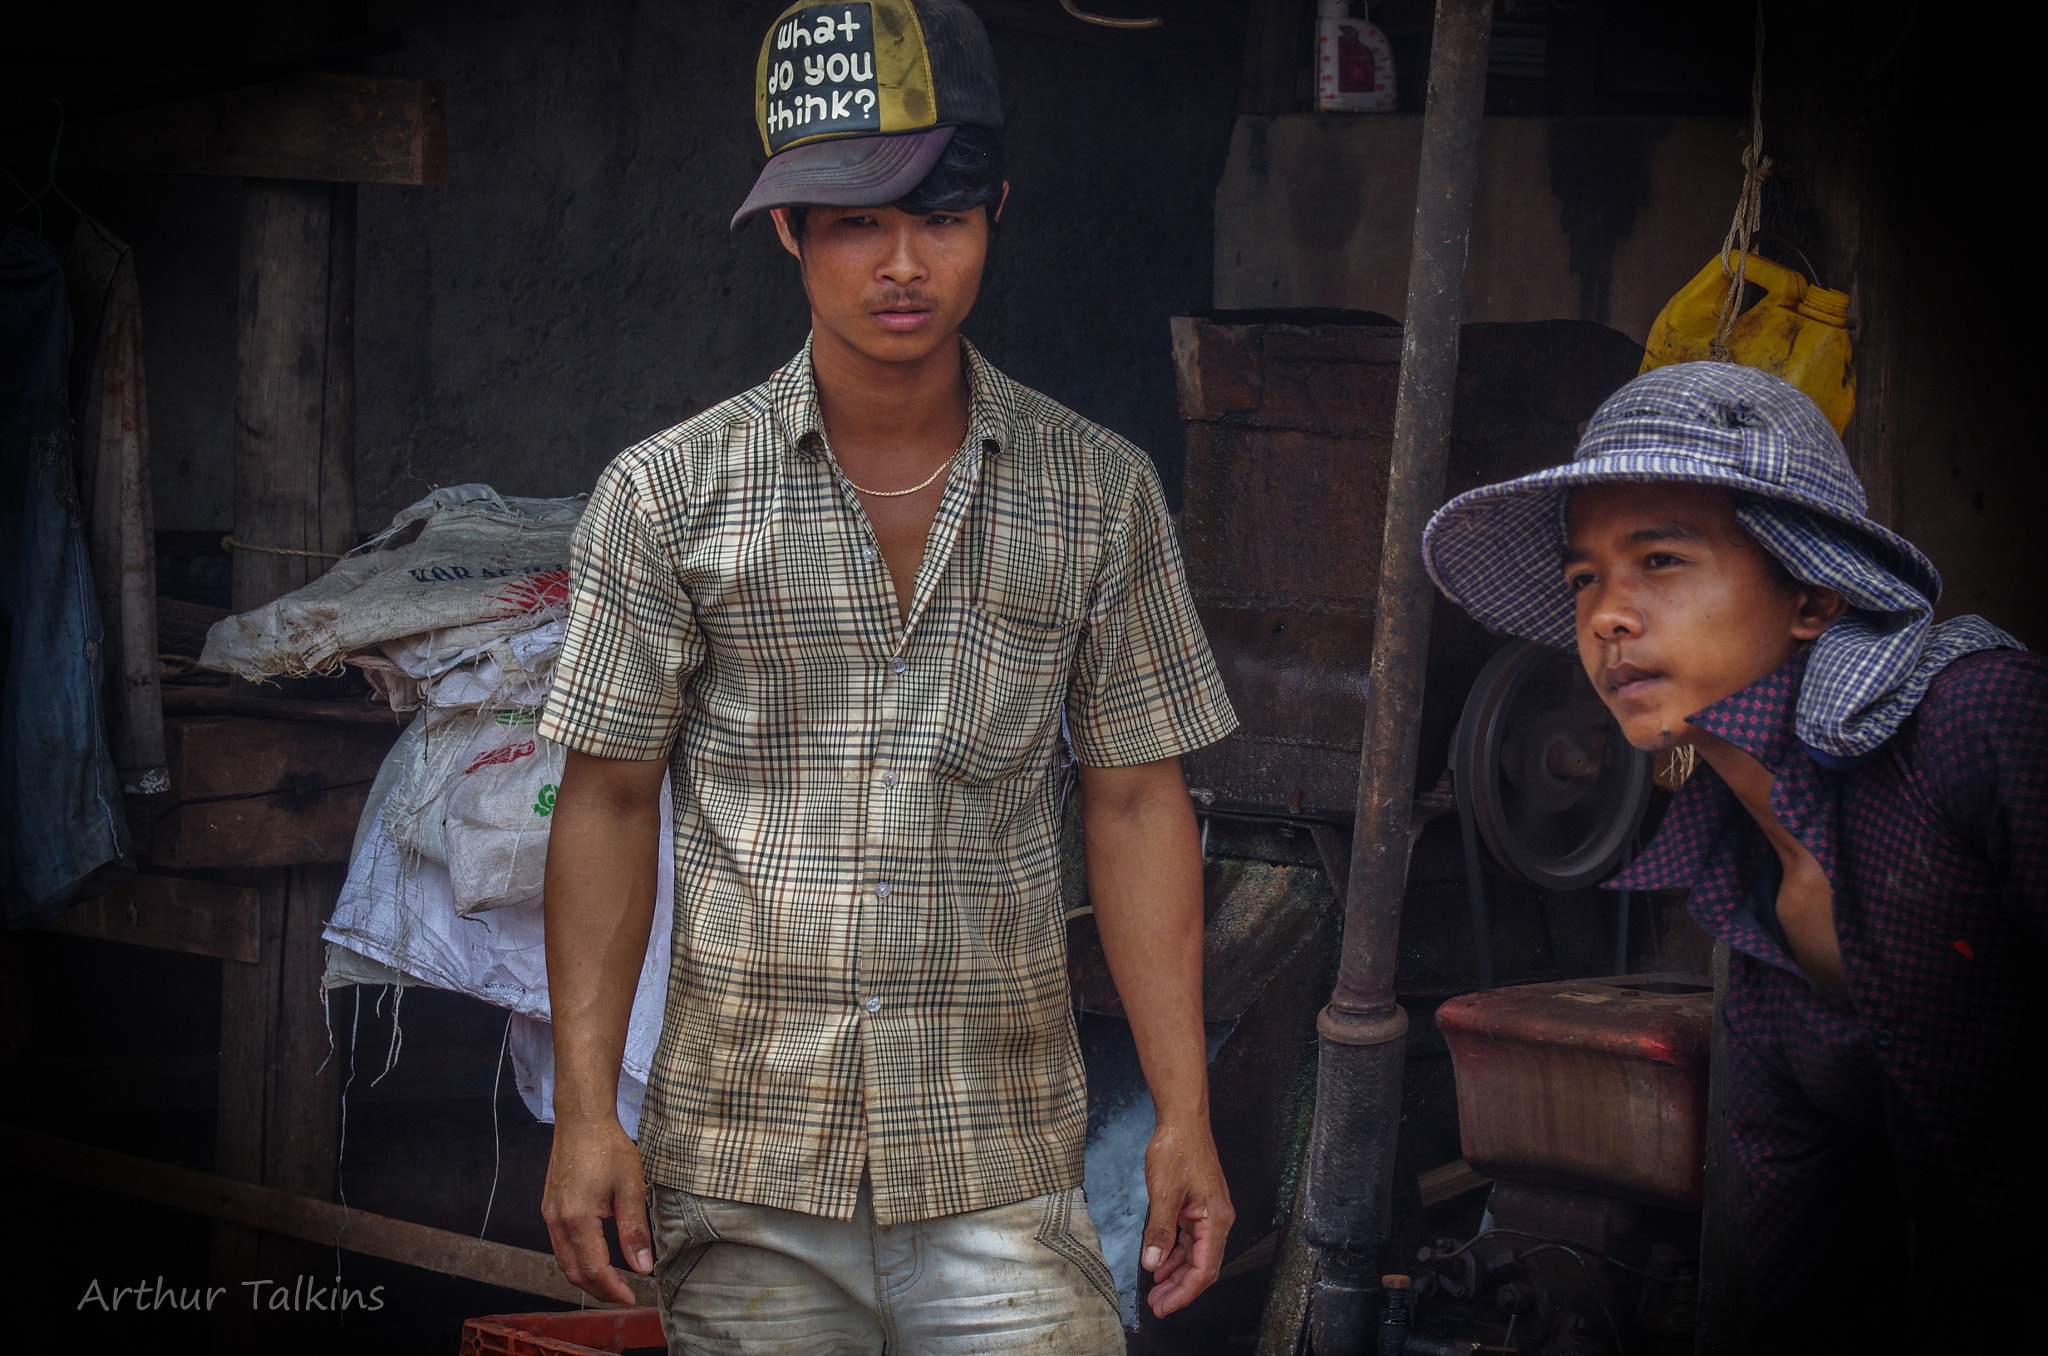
897, 665
868, 553
873, 1005
881, 889
889, 777
1883, 1039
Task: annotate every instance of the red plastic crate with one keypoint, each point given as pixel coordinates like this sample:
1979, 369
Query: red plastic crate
572, 1333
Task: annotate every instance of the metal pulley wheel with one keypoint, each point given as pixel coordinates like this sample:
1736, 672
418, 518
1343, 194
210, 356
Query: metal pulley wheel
1542, 771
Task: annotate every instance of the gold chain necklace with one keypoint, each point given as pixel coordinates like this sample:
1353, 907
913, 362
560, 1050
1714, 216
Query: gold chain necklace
898, 494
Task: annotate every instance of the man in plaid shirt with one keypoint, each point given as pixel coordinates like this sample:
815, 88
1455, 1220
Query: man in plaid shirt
1868, 835
849, 613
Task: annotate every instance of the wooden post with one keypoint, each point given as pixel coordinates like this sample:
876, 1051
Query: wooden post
302, 1112
279, 1112
248, 997
295, 392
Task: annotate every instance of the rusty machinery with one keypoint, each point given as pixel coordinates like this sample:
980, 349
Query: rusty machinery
1289, 423
1545, 783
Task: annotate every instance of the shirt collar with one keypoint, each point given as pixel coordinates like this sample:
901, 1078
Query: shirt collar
1761, 719
991, 404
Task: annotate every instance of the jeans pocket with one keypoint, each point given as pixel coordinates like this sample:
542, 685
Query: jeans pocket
682, 1234
1056, 1231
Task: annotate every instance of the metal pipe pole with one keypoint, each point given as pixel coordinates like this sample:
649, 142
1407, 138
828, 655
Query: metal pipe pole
1358, 1097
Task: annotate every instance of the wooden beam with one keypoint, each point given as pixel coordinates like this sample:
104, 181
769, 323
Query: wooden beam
348, 129
171, 913
293, 1216
182, 700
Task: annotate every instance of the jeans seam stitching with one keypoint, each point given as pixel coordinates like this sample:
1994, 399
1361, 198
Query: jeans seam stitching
698, 1237
884, 1309
1054, 1233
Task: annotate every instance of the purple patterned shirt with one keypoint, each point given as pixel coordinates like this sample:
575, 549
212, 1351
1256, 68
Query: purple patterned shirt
1936, 848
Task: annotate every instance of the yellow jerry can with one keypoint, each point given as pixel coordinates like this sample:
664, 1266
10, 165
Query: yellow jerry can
1796, 331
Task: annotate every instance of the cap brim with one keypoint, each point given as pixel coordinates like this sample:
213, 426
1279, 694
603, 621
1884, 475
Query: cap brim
845, 172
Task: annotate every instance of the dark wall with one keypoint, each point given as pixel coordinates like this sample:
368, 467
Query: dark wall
574, 288
1893, 127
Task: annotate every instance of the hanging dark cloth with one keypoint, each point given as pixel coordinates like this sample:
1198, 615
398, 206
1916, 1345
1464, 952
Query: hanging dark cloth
114, 490
63, 834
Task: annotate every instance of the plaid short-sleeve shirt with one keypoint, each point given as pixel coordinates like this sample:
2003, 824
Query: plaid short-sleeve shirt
869, 954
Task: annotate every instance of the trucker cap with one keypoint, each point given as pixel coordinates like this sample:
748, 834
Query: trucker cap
856, 102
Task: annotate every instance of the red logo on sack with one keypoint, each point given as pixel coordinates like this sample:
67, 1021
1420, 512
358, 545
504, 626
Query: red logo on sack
536, 593
511, 753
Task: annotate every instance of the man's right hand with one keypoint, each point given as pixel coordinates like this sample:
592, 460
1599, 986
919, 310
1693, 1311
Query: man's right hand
601, 882
594, 1173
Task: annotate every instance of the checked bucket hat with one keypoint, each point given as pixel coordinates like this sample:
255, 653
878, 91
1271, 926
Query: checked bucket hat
1496, 550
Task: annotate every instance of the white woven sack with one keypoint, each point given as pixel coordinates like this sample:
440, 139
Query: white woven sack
499, 805
441, 668
465, 557
396, 917
430, 757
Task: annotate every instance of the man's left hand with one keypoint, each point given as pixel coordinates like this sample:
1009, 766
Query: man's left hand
1191, 1214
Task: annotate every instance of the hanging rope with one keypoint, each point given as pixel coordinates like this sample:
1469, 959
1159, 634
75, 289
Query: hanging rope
1749, 208
230, 544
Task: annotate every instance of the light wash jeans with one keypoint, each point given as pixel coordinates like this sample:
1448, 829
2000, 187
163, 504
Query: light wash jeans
746, 1280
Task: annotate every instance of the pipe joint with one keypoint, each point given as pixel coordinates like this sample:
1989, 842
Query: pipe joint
1362, 1028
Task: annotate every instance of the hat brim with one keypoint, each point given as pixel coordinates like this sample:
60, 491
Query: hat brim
1495, 551
846, 172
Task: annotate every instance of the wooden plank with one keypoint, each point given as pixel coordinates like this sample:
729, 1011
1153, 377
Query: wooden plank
199, 917
283, 829
354, 129
322, 1222
212, 758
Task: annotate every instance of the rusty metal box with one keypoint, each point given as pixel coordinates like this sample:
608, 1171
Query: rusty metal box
1587, 1084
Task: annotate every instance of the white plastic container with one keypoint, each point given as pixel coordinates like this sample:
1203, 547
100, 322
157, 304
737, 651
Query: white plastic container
1354, 64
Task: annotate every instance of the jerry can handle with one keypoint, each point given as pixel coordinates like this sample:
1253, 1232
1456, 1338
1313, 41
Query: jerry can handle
1779, 238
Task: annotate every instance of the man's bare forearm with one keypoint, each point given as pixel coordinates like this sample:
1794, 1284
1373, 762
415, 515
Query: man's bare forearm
1145, 879
1145, 875
600, 907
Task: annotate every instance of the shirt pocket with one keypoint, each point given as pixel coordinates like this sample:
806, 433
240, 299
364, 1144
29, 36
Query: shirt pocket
1010, 680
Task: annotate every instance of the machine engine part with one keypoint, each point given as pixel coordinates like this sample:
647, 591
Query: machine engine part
1543, 774
1586, 1085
